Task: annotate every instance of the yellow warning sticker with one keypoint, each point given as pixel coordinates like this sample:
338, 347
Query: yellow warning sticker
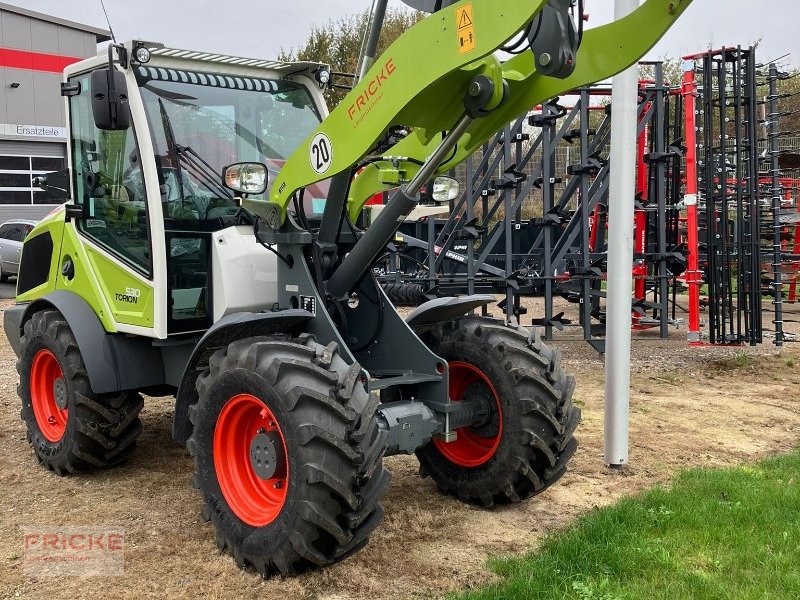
466, 28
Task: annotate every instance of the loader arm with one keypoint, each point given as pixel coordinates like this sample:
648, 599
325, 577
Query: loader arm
604, 52
394, 92
420, 82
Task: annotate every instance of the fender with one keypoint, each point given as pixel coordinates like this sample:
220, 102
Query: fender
229, 328
114, 362
434, 311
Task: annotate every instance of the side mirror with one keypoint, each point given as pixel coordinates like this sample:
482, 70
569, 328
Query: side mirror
445, 189
246, 177
110, 100
57, 183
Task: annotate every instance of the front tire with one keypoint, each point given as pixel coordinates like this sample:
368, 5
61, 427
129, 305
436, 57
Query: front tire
525, 444
69, 426
288, 453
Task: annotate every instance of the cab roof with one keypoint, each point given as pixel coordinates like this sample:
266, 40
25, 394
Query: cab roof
283, 68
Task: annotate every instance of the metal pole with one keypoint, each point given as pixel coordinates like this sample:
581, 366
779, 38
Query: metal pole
506, 195
378, 15
693, 279
620, 256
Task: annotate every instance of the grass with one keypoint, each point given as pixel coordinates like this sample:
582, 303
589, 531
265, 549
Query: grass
716, 534
740, 360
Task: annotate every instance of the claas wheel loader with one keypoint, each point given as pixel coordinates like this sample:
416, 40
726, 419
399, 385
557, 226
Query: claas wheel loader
211, 249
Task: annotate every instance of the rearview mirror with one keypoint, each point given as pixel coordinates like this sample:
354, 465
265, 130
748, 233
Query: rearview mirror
56, 183
246, 177
110, 100
445, 189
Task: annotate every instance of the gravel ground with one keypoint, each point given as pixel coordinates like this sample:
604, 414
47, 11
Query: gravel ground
689, 407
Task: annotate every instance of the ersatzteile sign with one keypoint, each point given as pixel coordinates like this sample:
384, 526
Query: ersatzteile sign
38, 131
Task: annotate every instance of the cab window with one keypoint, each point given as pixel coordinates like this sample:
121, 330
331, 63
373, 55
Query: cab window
109, 184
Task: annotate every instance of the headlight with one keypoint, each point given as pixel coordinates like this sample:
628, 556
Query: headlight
141, 54
323, 76
445, 189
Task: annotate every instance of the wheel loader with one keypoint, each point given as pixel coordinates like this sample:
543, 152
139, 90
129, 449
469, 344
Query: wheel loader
211, 249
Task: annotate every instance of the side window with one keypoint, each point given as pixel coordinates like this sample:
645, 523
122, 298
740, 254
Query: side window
109, 184
5, 230
17, 233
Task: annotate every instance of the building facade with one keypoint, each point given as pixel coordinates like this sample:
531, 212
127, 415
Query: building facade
34, 49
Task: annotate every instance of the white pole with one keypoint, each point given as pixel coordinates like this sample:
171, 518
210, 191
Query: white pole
620, 256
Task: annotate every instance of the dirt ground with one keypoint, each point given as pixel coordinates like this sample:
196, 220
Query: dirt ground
689, 407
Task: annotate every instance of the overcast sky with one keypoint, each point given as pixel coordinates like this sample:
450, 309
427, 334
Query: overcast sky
259, 28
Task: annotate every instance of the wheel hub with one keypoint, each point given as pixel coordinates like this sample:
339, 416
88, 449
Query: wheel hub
250, 460
487, 423
60, 393
48, 392
479, 437
267, 456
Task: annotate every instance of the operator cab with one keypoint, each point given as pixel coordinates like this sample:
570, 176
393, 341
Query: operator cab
151, 192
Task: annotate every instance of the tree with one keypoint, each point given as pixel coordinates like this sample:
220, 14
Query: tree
339, 42
788, 106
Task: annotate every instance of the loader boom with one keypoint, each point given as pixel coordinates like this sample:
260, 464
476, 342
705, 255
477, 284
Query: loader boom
420, 82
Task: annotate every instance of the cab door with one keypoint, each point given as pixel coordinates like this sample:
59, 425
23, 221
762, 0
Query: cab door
110, 247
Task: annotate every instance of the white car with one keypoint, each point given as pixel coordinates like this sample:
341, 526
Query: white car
12, 234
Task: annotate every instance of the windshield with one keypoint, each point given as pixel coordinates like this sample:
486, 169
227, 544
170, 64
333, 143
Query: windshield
202, 122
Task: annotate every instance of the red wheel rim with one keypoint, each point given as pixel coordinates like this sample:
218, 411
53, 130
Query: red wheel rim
45, 373
470, 449
255, 501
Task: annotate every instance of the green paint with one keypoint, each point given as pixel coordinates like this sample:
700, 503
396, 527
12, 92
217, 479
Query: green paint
53, 223
130, 298
96, 277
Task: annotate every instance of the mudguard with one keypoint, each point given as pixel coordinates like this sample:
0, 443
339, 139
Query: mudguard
437, 310
114, 362
228, 329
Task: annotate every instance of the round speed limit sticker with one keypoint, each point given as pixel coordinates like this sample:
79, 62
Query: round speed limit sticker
321, 153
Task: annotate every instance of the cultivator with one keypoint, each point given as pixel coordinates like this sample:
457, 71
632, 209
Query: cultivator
747, 199
532, 218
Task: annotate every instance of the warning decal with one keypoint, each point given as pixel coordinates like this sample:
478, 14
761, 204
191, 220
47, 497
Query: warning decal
466, 28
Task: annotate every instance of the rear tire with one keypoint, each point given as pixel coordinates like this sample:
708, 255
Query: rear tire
320, 501
525, 446
69, 426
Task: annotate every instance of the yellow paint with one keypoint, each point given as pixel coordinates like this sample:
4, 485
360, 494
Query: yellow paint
466, 29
